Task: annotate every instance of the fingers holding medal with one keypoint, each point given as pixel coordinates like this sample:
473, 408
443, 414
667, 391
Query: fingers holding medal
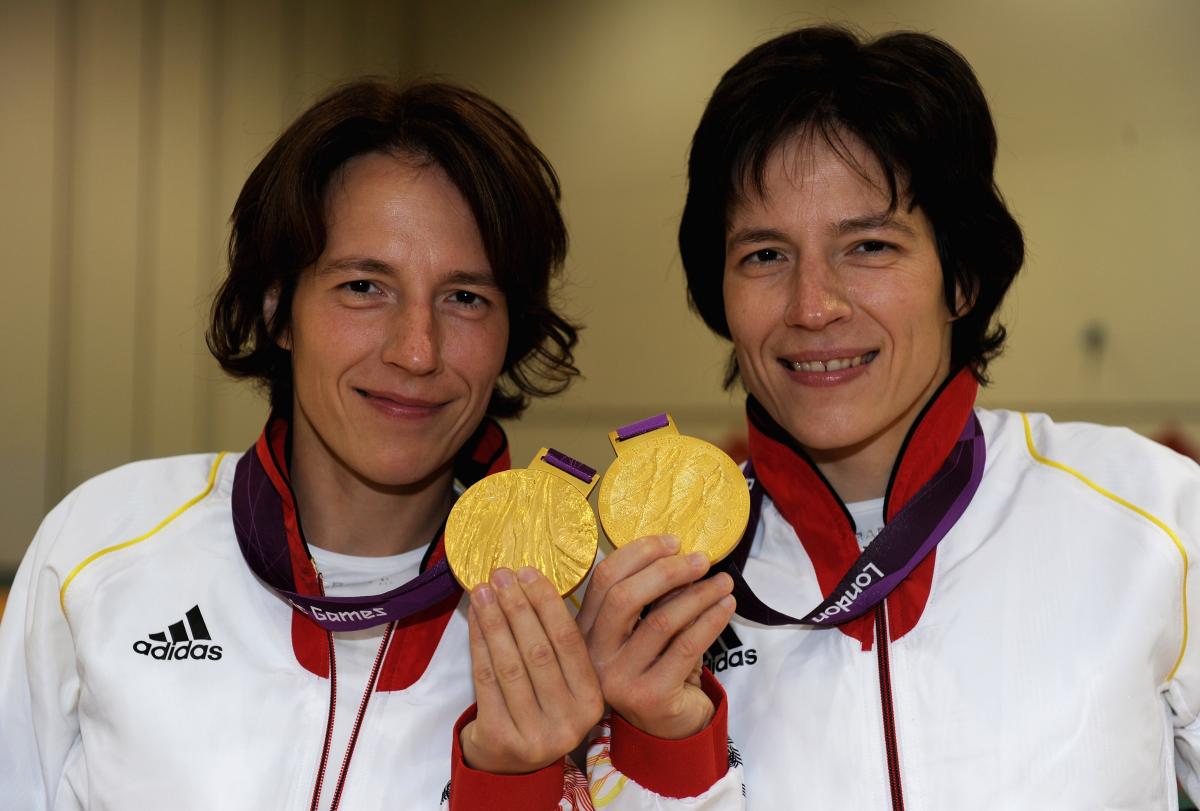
672, 505
519, 541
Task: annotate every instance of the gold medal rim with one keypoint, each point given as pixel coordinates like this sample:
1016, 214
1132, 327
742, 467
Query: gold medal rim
739, 501
568, 493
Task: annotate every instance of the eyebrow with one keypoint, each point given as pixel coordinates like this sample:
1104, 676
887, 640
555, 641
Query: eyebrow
358, 263
477, 278
748, 236
874, 222
868, 222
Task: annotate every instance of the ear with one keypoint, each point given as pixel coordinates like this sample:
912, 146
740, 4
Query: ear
270, 305
963, 303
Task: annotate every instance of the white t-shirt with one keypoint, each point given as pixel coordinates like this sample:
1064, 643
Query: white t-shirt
868, 519
355, 651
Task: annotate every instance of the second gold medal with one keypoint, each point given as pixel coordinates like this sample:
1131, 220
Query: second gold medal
663, 482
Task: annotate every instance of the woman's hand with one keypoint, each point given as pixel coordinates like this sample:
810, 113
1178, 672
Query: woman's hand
649, 667
537, 692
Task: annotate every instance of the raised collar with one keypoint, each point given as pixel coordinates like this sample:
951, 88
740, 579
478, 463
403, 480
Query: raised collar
819, 516
414, 641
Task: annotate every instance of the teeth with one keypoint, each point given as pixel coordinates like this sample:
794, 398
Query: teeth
835, 365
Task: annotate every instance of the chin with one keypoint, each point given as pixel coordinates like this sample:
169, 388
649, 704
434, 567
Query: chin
399, 472
828, 435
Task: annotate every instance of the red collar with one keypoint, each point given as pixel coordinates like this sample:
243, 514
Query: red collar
414, 642
819, 517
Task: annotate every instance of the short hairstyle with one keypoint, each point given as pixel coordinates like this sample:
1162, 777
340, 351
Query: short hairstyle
915, 104
278, 226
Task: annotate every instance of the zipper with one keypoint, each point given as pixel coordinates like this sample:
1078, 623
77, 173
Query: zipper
889, 711
316, 797
362, 711
358, 719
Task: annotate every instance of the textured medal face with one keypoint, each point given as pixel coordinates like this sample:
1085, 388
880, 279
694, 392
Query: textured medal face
663, 483
535, 517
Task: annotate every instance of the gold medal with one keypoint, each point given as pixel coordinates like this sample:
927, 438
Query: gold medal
665, 483
537, 517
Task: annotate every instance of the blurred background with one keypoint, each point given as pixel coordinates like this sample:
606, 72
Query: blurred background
129, 126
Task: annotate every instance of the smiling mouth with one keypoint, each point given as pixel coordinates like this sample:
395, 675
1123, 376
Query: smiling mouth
395, 401
831, 365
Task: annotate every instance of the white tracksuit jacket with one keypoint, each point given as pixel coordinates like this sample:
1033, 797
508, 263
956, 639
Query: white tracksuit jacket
144, 558
1051, 668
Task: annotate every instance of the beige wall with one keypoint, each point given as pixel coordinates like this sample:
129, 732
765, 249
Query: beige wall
1097, 103
129, 127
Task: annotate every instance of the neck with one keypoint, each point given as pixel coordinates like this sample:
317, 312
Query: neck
345, 513
861, 472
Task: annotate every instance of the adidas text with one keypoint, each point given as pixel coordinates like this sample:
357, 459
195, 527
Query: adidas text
175, 644
176, 652
727, 651
727, 659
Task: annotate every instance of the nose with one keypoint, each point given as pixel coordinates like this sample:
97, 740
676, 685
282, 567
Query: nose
413, 343
818, 297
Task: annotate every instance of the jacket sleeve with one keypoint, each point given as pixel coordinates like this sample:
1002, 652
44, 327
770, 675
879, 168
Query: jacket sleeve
39, 683
1182, 689
627, 770
558, 787
630, 770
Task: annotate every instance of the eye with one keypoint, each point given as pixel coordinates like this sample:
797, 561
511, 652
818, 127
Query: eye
872, 246
361, 287
468, 298
763, 256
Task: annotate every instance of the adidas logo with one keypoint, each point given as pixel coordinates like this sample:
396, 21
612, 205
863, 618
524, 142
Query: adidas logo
725, 652
180, 646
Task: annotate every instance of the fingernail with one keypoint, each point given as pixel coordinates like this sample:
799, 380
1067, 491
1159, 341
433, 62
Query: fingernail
483, 595
670, 543
527, 574
502, 578
727, 601
697, 559
725, 580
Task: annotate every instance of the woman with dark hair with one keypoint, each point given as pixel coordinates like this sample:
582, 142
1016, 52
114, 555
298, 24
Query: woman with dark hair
279, 629
938, 605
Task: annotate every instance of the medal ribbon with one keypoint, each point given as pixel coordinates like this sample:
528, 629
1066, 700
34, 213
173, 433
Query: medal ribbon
906, 540
261, 497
